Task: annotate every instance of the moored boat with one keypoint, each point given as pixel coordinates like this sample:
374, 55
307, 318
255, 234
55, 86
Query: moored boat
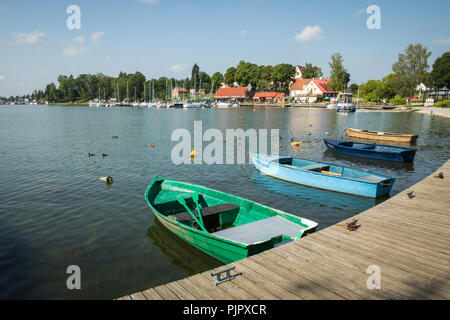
224, 226
372, 150
324, 176
382, 136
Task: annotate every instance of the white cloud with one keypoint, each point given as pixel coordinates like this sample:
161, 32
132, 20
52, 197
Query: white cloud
96, 36
243, 32
310, 33
176, 68
148, 1
27, 38
442, 42
2, 77
74, 50
79, 39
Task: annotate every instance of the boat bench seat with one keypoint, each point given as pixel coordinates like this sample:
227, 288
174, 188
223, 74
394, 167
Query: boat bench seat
207, 211
261, 230
371, 178
315, 166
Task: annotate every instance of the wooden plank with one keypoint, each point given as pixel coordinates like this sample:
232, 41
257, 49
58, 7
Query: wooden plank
124, 298
356, 281
211, 290
396, 247
181, 292
197, 292
300, 288
322, 279
231, 288
304, 278
267, 284
355, 257
137, 296
151, 294
397, 260
166, 293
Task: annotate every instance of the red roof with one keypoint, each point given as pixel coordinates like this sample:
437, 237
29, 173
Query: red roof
322, 84
299, 83
265, 95
280, 95
231, 92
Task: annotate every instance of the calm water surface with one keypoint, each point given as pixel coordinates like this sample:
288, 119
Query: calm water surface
54, 212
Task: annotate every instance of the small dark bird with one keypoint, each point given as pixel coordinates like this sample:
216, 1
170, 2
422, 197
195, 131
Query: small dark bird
351, 225
104, 155
440, 175
411, 194
91, 155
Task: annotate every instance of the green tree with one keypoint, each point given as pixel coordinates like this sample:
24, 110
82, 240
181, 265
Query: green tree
216, 80
230, 76
339, 75
247, 73
411, 68
195, 77
354, 88
283, 75
440, 75
310, 71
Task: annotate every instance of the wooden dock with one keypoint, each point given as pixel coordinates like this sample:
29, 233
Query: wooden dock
407, 239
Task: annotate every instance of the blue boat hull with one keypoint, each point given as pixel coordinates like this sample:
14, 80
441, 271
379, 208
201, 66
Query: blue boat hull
323, 181
380, 152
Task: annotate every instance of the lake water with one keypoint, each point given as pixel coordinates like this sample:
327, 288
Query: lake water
54, 212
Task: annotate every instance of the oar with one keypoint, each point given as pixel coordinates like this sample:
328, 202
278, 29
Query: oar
183, 203
195, 197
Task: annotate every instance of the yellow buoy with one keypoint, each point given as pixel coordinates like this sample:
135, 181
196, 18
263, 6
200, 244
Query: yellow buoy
296, 144
193, 154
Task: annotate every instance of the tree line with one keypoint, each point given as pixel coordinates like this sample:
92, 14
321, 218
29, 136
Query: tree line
408, 72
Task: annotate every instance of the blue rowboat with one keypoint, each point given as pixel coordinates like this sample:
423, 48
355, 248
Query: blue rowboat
324, 176
372, 150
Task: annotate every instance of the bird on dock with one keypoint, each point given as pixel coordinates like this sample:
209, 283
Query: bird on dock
411, 194
352, 225
440, 175
104, 155
91, 155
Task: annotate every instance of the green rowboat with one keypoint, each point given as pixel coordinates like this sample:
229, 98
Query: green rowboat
224, 226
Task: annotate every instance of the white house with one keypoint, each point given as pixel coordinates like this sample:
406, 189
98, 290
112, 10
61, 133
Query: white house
299, 72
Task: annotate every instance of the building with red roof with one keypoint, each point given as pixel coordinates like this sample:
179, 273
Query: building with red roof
233, 93
312, 90
269, 96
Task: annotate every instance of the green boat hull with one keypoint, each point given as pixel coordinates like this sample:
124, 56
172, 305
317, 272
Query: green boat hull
160, 196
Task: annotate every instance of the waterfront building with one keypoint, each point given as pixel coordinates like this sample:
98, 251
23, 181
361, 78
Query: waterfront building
312, 90
178, 92
240, 94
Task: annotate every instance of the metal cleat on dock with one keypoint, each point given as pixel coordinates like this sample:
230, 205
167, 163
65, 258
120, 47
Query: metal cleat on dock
228, 276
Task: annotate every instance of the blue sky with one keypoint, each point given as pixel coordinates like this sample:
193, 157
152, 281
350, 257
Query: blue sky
166, 37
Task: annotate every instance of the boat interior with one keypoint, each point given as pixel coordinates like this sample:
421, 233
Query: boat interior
223, 215
332, 170
374, 147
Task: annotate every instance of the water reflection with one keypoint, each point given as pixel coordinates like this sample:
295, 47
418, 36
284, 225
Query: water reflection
187, 257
